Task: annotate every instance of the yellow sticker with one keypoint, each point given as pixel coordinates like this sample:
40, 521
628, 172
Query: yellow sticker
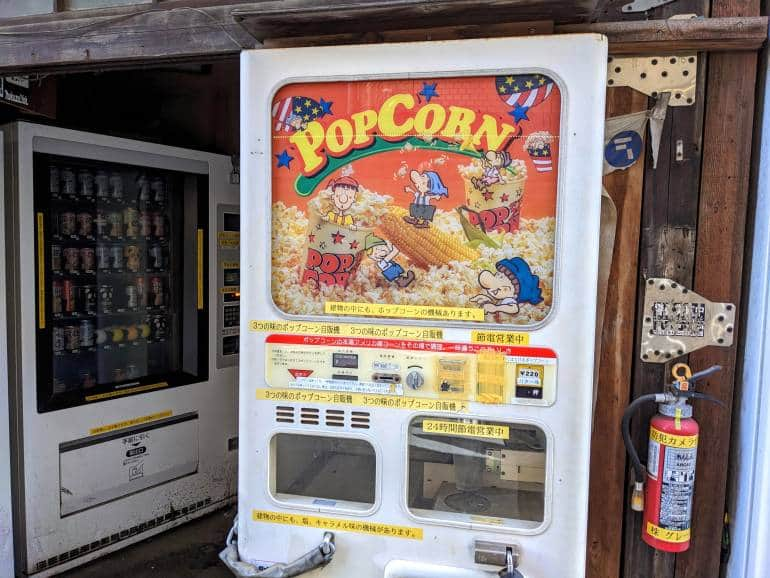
229, 239
127, 391
473, 430
411, 311
40, 273
499, 337
348, 330
200, 269
675, 536
338, 524
230, 289
361, 399
130, 422
672, 440
231, 265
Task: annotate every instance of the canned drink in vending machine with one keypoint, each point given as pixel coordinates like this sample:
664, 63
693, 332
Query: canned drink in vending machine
53, 180
86, 333
115, 220
67, 184
58, 339
101, 224
156, 288
156, 256
132, 297
87, 379
57, 297
142, 188
141, 292
68, 224
159, 225
158, 189
131, 220
68, 296
71, 337
85, 183
88, 299
87, 259
145, 224
105, 298
116, 186
133, 256
71, 259
102, 185
56, 257
85, 224
102, 257
118, 374
159, 327
116, 256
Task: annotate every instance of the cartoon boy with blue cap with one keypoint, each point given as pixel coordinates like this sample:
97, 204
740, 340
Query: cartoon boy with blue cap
513, 283
427, 185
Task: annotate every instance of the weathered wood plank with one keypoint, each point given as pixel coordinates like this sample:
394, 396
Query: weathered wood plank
677, 36
608, 456
718, 276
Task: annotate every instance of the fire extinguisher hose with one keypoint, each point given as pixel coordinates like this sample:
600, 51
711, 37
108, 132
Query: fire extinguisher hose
626, 425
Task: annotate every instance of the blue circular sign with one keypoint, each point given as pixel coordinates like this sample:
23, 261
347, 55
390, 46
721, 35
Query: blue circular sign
623, 149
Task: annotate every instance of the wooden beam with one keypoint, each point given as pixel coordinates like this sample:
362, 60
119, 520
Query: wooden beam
608, 456
676, 36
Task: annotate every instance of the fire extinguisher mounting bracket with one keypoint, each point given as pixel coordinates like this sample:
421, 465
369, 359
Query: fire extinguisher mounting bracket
678, 321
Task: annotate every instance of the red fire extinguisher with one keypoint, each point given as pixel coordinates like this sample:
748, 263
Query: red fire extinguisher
664, 489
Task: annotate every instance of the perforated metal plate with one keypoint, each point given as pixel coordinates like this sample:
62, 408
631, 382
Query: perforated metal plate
678, 321
654, 75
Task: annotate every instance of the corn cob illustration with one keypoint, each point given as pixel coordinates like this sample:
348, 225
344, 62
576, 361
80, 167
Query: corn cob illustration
424, 247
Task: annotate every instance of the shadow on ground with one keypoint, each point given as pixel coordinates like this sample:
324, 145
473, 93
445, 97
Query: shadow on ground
191, 550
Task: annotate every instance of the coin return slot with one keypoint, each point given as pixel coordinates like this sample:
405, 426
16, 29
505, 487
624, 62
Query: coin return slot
386, 378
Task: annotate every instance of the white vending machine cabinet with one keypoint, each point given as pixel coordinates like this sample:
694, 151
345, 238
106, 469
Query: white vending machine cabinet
421, 226
122, 274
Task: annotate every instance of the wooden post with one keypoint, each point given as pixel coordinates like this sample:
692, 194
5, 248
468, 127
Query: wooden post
608, 457
718, 272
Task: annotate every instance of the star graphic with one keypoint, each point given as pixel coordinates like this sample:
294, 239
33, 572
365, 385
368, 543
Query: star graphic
509, 80
501, 89
326, 107
540, 80
298, 109
519, 113
284, 159
316, 110
428, 90
311, 237
307, 102
504, 198
487, 195
529, 84
337, 238
353, 245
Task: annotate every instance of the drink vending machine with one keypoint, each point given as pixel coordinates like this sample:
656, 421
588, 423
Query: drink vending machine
122, 281
421, 226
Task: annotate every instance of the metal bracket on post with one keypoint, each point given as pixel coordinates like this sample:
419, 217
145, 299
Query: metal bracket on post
643, 5
654, 75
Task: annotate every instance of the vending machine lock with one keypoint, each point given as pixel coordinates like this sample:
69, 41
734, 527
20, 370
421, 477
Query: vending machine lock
498, 554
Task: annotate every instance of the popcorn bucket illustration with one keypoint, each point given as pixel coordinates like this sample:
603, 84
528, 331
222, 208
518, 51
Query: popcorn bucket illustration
495, 206
333, 252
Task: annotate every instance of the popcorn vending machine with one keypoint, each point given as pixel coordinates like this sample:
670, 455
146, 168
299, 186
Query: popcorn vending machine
420, 227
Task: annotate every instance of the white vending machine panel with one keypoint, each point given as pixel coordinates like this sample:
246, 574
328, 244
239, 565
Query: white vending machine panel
420, 229
123, 420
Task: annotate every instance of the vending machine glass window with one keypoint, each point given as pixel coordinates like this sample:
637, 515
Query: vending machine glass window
121, 279
485, 472
398, 203
323, 471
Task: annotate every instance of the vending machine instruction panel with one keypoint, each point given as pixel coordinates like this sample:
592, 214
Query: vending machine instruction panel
419, 249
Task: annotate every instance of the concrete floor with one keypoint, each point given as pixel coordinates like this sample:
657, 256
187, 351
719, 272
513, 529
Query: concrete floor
189, 551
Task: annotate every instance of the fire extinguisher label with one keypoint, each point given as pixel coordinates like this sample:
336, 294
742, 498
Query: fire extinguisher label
653, 458
677, 481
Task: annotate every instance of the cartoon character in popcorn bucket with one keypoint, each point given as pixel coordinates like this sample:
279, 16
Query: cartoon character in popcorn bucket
494, 197
335, 240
